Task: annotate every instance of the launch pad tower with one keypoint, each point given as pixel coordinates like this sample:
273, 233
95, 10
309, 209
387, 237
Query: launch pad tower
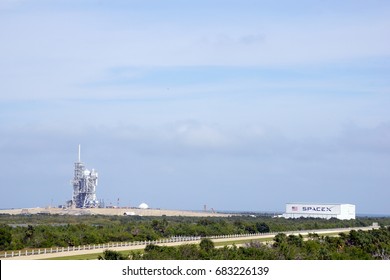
84, 186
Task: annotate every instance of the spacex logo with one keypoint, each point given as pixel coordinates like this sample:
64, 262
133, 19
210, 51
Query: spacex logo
319, 209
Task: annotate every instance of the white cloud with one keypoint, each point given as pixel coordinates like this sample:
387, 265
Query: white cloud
270, 111
194, 155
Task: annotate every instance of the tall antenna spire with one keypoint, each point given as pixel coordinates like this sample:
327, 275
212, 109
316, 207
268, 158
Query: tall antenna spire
84, 185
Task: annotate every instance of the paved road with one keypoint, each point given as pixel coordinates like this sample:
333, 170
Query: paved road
126, 248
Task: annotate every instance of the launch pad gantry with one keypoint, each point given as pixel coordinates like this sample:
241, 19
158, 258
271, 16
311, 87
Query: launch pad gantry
84, 186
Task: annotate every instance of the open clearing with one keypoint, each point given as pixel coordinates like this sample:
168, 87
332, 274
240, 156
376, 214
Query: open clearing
119, 211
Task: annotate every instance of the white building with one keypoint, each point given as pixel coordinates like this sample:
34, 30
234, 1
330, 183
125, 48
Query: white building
143, 205
324, 211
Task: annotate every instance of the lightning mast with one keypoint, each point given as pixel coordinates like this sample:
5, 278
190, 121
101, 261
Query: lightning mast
84, 185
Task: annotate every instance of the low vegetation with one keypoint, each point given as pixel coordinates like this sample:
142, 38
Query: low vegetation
46, 231
357, 245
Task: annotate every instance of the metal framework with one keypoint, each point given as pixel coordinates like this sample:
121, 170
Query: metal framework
84, 186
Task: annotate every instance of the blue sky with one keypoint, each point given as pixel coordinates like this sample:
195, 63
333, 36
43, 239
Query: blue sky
240, 105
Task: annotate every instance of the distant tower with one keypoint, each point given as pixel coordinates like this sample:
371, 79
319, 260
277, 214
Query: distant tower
84, 186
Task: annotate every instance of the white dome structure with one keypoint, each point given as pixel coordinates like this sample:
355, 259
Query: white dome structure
143, 206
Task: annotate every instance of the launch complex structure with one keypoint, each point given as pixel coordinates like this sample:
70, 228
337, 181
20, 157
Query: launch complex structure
84, 186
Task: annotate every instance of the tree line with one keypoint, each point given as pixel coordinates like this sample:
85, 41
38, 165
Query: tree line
40, 231
356, 245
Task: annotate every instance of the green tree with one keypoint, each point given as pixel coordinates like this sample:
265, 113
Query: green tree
189, 252
111, 255
206, 244
5, 237
296, 240
280, 239
262, 227
29, 233
155, 252
160, 226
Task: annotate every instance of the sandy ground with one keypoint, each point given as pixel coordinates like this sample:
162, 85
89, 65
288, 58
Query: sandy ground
111, 211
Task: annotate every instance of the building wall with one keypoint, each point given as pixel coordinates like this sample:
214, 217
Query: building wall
324, 211
348, 211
